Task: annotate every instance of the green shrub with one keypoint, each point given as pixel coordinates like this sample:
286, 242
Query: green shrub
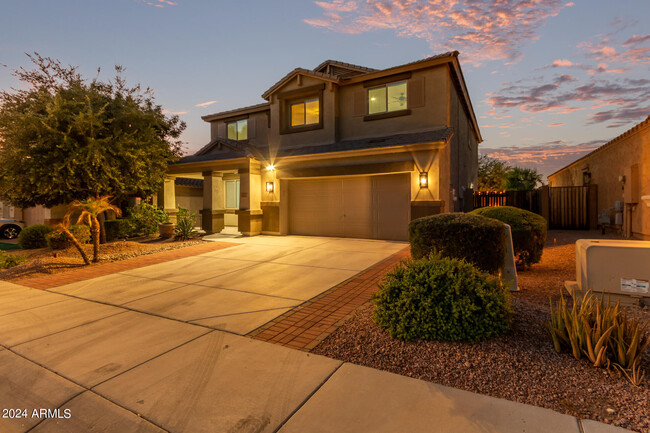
185, 221
34, 236
440, 298
57, 240
528, 231
10, 260
143, 219
116, 229
477, 239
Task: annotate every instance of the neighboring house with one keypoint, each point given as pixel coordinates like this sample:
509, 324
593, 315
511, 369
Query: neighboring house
621, 171
340, 150
31, 215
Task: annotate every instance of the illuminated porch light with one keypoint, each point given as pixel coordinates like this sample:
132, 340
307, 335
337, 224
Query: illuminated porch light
270, 186
424, 179
270, 167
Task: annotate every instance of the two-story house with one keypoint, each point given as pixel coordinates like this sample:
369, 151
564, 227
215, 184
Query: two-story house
340, 150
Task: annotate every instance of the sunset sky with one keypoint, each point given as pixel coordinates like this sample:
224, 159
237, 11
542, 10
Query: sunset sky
549, 79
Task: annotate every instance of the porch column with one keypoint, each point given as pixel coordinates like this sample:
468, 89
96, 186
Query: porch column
249, 214
169, 198
213, 202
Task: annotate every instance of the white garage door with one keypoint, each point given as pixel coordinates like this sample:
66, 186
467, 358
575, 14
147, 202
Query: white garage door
371, 207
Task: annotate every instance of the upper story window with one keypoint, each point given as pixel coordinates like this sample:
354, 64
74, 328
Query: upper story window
387, 98
238, 130
305, 112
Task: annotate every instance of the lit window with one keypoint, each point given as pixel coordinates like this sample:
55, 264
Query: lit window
238, 130
305, 113
386, 98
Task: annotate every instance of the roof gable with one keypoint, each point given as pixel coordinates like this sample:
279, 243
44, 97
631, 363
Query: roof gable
342, 69
296, 72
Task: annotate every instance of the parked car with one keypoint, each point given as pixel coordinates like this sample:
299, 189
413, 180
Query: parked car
10, 228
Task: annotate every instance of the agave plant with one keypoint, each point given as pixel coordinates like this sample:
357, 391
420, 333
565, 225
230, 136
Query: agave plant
600, 331
90, 209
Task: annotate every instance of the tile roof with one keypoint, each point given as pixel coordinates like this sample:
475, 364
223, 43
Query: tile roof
234, 111
349, 66
186, 181
435, 136
301, 71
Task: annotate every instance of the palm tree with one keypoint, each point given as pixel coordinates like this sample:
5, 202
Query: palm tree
90, 209
64, 227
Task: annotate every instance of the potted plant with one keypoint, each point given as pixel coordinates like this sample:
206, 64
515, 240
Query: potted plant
165, 227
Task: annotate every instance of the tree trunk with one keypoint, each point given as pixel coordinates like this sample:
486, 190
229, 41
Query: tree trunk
76, 244
94, 227
102, 228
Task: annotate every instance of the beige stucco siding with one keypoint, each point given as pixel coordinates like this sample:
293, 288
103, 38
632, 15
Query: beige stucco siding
607, 164
422, 118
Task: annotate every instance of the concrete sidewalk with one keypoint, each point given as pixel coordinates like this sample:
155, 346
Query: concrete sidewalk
110, 369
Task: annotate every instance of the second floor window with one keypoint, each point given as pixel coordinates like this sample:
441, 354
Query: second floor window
387, 98
305, 112
238, 130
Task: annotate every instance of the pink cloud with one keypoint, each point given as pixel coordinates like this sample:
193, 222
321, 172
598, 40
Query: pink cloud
205, 104
546, 157
562, 62
482, 31
555, 124
627, 98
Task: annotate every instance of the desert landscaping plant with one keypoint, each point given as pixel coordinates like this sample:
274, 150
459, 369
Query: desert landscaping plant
10, 260
89, 210
143, 219
64, 228
185, 221
601, 332
33, 236
528, 231
441, 298
475, 238
58, 240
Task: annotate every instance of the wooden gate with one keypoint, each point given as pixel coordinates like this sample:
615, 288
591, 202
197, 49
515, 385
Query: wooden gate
569, 207
565, 207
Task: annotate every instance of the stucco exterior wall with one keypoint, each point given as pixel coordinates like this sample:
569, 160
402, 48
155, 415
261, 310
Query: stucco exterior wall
190, 198
422, 118
609, 162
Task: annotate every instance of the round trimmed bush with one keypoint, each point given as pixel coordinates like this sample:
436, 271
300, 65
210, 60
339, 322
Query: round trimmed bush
32, 237
440, 298
477, 239
528, 231
59, 241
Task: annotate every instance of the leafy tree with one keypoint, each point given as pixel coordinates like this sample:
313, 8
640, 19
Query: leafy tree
64, 138
522, 179
491, 173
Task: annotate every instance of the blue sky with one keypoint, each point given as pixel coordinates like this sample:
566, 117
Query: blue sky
549, 79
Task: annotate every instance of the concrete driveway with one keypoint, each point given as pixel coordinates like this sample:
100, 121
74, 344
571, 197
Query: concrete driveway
240, 288
129, 360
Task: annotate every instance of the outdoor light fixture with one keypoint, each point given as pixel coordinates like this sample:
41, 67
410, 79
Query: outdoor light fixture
270, 186
270, 167
424, 179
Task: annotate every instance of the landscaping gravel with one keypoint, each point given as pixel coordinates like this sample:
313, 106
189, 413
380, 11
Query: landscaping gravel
522, 366
44, 261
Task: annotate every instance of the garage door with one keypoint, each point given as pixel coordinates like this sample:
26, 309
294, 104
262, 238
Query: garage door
371, 207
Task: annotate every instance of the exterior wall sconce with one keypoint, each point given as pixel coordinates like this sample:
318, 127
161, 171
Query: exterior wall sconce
270, 186
270, 167
424, 179
586, 178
